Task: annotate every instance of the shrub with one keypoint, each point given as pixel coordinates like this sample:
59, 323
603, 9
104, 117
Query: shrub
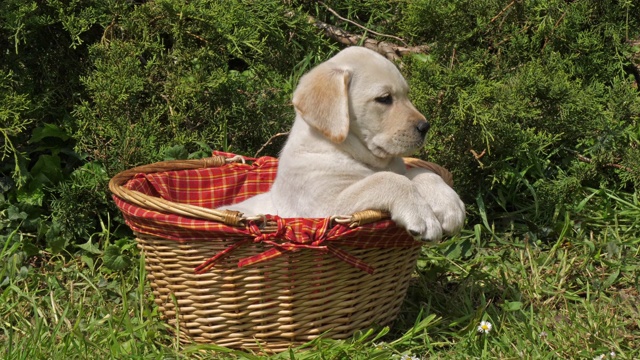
169, 73
90, 88
533, 104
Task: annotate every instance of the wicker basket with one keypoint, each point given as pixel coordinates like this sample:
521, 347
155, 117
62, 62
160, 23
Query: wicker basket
304, 290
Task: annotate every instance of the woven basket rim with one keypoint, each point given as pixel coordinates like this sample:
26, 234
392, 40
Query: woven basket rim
230, 217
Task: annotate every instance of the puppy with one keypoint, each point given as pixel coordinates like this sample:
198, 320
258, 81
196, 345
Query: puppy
354, 123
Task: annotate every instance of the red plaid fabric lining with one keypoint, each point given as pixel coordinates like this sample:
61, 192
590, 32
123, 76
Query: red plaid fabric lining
215, 187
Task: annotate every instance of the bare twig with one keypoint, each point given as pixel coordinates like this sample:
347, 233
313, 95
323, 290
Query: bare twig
546, 39
198, 37
587, 160
166, 98
453, 57
389, 50
477, 156
269, 142
107, 34
503, 10
360, 26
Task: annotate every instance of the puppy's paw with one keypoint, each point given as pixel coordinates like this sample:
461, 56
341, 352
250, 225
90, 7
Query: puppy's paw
442, 199
418, 220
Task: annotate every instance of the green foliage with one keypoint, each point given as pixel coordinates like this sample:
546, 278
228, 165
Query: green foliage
90, 88
168, 73
542, 91
29, 202
40, 68
12, 121
86, 187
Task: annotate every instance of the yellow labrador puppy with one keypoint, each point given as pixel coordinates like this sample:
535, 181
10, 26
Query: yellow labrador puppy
354, 122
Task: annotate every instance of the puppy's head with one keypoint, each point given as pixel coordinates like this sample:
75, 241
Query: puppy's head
359, 94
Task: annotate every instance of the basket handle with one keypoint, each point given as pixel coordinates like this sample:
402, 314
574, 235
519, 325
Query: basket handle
116, 186
444, 173
230, 217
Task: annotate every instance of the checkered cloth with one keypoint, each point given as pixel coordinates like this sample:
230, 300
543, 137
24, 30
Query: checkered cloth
218, 186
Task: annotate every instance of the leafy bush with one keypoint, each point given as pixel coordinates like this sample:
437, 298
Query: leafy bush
40, 67
533, 104
90, 88
168, 73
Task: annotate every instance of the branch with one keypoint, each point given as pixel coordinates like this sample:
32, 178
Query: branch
360, 26
390, 50
478, 156
502, 11
587, 160
269, 142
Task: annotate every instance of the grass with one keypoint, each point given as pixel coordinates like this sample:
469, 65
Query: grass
575, 295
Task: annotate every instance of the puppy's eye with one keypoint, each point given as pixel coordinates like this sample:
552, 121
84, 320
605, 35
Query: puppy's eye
386, 99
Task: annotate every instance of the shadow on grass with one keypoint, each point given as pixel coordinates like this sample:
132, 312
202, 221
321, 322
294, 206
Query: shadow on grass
459, 301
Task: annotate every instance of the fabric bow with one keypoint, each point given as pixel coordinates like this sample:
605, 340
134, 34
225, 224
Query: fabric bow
285, 239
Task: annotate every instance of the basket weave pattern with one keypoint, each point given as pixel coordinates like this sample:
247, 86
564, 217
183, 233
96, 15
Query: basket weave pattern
330, 278
276, 304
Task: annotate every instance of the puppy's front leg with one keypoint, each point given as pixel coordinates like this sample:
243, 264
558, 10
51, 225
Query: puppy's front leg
395, 193
440, 197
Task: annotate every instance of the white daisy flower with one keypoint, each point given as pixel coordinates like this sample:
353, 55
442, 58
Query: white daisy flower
484, 327
409, 357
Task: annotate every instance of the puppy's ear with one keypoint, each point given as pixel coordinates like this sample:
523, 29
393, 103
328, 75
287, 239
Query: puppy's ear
322, 100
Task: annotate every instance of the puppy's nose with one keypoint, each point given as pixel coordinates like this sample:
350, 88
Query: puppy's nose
423, 127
